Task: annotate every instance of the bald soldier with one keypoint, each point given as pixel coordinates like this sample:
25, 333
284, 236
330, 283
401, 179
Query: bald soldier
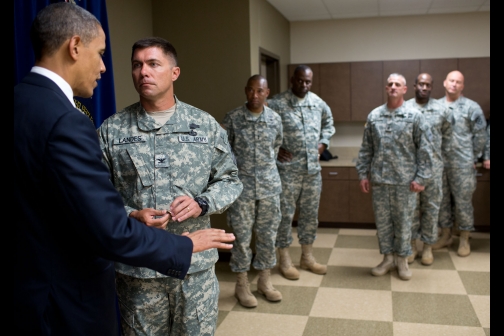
255, 135
439, 119
459, 181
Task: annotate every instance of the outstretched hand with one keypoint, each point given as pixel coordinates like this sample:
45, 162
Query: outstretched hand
148, 217
210, 238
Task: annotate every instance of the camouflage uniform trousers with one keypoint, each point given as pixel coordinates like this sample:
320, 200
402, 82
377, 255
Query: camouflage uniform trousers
169, 306
303, 190
263, 217
459, 185
393, 206
425, 220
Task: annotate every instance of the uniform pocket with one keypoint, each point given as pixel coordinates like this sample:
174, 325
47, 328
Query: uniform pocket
141, 168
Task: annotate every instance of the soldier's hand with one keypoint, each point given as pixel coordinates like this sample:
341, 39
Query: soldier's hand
210, 238
184, 207
284, 156
486, 164
415, 187
148, 216
364, 186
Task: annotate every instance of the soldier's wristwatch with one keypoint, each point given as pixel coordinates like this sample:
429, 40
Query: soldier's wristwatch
203, 204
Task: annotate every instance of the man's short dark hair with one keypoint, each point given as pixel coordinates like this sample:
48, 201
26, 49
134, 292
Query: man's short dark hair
159, 42
58, 22
257, 78
302, 68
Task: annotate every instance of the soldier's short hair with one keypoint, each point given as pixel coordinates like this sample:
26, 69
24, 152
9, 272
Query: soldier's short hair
301, 68
58, 22
159, 42
258, 78
397, 75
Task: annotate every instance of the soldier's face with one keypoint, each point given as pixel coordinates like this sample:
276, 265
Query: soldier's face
153, 73
256, 91
302, 82
395, 87
423, 87
454, 83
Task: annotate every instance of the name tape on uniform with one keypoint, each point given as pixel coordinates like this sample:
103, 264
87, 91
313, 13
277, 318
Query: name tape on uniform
128, 140
190, 138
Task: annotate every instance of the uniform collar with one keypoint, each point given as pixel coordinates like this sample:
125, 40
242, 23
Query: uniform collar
294, 100
174, 124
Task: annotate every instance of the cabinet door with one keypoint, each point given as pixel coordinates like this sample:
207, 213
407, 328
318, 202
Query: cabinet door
476, 73
367, 86
481, 198
316, 76
361, 205
438, 69
334, 201
409, 69
335, 89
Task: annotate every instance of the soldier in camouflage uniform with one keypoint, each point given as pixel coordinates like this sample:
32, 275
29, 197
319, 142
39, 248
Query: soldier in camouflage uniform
255, 135
486, 150
396, 155
439, 119
307, 129
459, 180
170, 160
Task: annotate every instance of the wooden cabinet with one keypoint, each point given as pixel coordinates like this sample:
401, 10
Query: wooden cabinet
481, 199
438, 69
477, 81
335, 89
366, 87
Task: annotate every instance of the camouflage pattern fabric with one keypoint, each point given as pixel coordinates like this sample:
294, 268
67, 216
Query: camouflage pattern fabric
396, 147
393, 208
486, 149
440, 120
255, 144
458, 187
152, 164
262, 217
169, 306
303, 190
305, 123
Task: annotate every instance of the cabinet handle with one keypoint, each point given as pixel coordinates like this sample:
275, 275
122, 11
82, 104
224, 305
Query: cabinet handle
333, 173
479, 174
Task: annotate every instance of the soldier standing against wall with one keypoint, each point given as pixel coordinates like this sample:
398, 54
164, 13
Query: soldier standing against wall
307, 129
396, 156
459, 181
166, 155
439, 119
255, 135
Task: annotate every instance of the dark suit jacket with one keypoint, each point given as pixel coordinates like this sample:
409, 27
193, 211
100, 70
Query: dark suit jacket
71, 223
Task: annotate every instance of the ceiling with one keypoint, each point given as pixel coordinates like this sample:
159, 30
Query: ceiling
303, 10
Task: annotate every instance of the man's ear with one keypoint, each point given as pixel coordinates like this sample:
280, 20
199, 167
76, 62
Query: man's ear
74, 46
175, 73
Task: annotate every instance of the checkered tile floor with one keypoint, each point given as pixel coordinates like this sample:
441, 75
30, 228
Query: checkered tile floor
450, 297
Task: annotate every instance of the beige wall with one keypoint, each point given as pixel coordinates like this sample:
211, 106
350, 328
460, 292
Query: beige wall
391, 38
128, 21
269, 30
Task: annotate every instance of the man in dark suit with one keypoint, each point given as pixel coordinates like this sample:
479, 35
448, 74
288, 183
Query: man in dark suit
71, 220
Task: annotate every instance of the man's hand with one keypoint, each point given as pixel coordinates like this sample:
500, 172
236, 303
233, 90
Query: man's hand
364, 186
184, 207
415, 187
148, 216
210, 238
486, 164
321, 148
284, 156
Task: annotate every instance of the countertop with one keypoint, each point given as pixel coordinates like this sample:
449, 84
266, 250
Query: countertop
347, 157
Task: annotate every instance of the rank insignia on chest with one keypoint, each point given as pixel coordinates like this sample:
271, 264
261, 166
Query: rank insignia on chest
190, 138
129, 139
193, 133
161, 161
193, 126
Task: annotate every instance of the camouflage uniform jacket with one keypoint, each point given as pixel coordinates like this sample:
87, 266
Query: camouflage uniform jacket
152, 164
486, 150
396, 147
440, 120
469, 133
255, 144
305, 125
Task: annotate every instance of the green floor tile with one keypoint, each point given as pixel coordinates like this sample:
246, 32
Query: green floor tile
318, 326
221, 317
477, 245
476, 283
357, 242
354, 278
487, 331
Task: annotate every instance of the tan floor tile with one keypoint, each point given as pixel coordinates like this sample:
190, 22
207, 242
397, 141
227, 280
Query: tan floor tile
306, 278
320, 326
322, 240
430, 281
478, 262
355, 257
481, 304
480, 235
227, 299
353, 304
357, 232
417, 329
253, 324
357, 242
354, 278
477, 245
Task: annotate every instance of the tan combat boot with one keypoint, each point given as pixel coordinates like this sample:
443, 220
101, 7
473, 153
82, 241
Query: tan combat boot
445, 239
265, 287
242, 291
427, 257
287, 269
403, 269
455, 229
385, 266
412, 257
464, 247
308, 261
